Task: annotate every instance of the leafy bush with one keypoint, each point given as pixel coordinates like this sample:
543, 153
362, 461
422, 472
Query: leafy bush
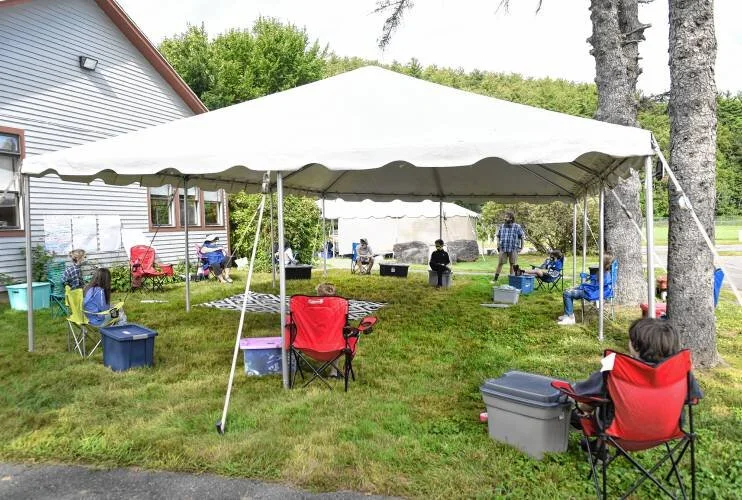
120, 280
39, 259
302, 227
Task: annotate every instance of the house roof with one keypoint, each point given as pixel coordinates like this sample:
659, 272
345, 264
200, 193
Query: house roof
132, 32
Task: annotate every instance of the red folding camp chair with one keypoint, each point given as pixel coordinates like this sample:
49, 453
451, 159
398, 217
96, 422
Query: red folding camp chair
642, 409
318, 330
141, 266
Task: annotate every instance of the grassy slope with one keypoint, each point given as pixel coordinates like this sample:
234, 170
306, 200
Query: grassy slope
408, 426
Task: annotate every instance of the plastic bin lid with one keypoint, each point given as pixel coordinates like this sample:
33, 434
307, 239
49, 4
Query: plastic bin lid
525, 388
35, 284
260, 343
127, 332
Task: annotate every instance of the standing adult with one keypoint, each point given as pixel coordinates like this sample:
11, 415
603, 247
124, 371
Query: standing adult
509, 243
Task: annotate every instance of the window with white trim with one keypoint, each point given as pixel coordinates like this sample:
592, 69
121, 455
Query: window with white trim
10, 206
213, 208
192, 207
161, 212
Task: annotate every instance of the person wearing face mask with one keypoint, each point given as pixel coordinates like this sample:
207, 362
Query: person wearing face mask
439, 261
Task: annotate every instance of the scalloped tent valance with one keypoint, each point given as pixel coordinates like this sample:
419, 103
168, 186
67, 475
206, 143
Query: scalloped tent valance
369, 133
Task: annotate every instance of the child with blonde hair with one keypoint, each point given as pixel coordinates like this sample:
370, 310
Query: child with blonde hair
72, 276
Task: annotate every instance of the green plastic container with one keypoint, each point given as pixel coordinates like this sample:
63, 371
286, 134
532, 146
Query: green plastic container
18, 295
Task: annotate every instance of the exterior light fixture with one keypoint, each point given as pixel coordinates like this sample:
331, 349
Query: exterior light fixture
88, 63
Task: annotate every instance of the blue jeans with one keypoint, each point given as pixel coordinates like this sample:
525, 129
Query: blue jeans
568, 296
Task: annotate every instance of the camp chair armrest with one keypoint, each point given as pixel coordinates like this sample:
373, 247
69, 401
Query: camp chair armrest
567, 389
367, 324
349, 332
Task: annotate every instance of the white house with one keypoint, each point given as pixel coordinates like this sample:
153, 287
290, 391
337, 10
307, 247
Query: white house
77, 71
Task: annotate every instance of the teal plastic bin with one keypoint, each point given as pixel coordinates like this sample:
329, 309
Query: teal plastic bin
18, 295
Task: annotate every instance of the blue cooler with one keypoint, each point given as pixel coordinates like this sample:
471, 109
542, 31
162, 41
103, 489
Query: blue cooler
522, 283
262, 355
127, 346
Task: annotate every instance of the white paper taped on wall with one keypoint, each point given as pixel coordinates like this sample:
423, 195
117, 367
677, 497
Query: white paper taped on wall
109, 232
58, 233
85, 233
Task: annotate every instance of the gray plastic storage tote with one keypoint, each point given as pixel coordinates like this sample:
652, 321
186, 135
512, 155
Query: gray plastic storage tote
526, 412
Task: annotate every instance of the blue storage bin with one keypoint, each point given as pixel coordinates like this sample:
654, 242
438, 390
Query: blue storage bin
522, 283
262, 355
127, 346
18, 295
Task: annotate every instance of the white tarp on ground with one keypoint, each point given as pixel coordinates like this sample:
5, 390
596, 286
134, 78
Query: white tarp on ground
368, 133
387, 223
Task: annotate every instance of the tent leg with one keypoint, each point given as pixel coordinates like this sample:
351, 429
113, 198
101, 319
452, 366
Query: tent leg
273, 244
649, 207
574, 243
282, 283
324, 239
187, 259
222, 424
584, 234
601, 256
29, 258
440, 219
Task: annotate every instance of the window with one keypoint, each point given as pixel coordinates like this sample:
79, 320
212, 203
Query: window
160, 206
213, 208
192, 204
10, 211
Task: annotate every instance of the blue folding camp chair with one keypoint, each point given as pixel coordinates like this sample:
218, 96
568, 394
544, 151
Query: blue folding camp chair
718, 280
590, 285
54, 275
549, 281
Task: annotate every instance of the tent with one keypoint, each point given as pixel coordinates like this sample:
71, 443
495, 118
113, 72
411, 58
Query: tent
397, 222
370, 133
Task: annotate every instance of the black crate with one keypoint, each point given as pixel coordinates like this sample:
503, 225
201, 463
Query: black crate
398, 270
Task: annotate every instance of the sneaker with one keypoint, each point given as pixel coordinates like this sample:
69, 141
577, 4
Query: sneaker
229, 280
562, 317
569, 320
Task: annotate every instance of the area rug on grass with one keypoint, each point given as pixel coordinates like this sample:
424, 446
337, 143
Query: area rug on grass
267, 303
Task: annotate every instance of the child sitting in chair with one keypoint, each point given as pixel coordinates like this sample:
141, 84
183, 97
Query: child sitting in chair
650, 340
328, 290
439, 261
551, 266
97, 301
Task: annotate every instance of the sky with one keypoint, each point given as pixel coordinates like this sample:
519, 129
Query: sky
454, 33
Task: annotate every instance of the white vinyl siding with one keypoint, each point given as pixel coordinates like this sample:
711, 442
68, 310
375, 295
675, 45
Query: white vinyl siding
44, 92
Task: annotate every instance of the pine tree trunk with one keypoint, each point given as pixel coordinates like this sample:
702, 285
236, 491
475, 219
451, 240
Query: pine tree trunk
692, 109
615, 40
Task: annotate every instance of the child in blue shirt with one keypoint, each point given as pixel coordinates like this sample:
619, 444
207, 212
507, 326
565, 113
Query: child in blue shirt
97, 300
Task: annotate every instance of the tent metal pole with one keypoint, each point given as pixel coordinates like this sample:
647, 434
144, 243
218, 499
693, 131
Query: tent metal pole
29, 258
574, 243
273, 244
187, 260
584, 234
440, 219
685, 203
601, 256
324, 238
282, 282
649, 207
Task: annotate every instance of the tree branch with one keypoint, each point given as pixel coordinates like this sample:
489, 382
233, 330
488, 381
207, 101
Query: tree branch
397, 8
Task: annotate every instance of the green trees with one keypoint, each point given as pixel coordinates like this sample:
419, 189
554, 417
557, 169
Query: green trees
241, 65
302, 227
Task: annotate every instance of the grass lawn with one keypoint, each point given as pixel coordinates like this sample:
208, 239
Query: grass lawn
408, 426
725, 234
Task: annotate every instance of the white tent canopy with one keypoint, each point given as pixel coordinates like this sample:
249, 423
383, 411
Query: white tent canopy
369, 133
